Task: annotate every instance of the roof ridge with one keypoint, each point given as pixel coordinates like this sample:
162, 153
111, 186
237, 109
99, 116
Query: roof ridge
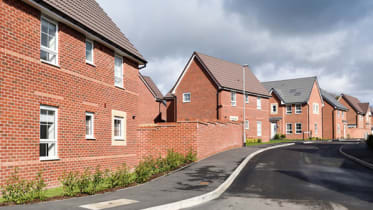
221, 59
290, 79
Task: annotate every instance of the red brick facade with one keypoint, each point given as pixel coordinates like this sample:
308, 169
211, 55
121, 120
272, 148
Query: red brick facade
74, 88
205, 138
307, 118
334, 122
207, 103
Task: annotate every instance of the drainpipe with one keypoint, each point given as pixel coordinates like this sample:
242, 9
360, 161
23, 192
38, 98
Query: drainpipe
244, 101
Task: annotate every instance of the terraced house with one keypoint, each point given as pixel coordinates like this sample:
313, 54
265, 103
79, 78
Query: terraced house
211, 89
334, 117
358, 116
295, 108
69, 88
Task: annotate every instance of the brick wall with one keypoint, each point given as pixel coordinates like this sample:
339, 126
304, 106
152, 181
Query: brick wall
351, 113
74, 87
204, 138
358, 133
315, 97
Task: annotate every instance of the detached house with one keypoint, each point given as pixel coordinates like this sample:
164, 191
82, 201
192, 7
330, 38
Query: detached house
295, 108
358, 116
334, 117
211, 89
69, 89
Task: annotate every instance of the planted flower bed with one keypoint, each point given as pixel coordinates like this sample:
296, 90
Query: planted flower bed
88, 182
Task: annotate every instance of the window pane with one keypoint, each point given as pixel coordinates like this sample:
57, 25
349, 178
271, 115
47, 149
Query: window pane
88, 124
44, 26
88, 51
43, 150
52, 42
117, 128
43, 131
44, 39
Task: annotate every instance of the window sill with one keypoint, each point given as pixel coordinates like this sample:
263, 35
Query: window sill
119, 139
49, 63
120, 87
50, 159
90, 63
90, 138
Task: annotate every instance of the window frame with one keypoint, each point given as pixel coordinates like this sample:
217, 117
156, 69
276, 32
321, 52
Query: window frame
190, 97
55, 140
259, 103
233, 96
296, 128
246, 98
121, 68
291, 109
92, 115
274, 105
316, 105
287, 130
316, 129
296, 110
93, 47
121, 137
261, 128
247, 125
45, 49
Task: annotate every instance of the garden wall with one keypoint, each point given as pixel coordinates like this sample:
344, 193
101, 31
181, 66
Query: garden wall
357, 133
205, 138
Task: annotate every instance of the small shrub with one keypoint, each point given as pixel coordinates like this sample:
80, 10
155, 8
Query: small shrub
98, 179
83, 182
277, 137
190, 157
250, 141
143, 172
69, 183
369, 141
174, 159
283, 136
22, 191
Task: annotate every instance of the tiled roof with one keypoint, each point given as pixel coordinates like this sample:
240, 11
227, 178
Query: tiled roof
152, 87
331, 99
292, 90
229, 75
354, 102
364, 107
91, 15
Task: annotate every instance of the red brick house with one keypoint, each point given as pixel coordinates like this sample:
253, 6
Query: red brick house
358, 116
210, 89
296, 108
334, 115
152, 107
69, 88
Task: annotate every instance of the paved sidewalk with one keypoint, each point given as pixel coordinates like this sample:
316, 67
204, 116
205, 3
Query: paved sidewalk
194, 180
360, 151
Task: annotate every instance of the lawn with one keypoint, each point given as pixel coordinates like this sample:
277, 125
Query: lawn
273, 142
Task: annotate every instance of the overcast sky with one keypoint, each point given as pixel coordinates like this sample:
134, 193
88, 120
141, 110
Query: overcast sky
331, 39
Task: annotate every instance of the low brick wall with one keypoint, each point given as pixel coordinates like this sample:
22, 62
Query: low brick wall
358, 133
205, 138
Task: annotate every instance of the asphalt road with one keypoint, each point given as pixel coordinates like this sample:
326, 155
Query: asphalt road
312, 176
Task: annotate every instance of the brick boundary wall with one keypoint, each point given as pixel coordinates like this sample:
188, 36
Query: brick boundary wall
205, 138
358, 133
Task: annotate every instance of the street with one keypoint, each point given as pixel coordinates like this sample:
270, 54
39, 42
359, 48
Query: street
312, 176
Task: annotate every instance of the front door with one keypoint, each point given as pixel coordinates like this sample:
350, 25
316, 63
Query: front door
273, 130
344, 131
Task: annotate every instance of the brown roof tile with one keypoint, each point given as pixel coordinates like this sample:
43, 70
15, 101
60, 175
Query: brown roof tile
229, 75
153, 87
364, 107
354, 102
91, 15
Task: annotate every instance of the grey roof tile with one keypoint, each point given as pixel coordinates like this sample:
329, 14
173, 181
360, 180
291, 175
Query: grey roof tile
331, 99
292, 90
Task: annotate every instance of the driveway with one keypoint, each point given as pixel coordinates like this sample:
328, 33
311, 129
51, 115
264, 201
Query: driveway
312, 176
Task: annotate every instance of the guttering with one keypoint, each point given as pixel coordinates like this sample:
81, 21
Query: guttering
63, 18
246, 92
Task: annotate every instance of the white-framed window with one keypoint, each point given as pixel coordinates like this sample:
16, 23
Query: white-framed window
298, 128
186, 97
49, 41
247, 125
259, 128
258, 103
48, 133
233, 99
246, 98
316, 108
338, 129
89, 51
233, 118
289, 128
274, 108
118, 71
298, 109
89, 125
288, 109
316, 129
118, 128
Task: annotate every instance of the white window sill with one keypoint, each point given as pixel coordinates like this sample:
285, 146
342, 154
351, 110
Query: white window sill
186, 101
49, 158
90, 63
119, 87
119, 139
49, 63
90, 138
